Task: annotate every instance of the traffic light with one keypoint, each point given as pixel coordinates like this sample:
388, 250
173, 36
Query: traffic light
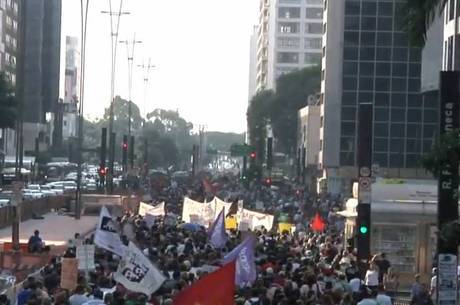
103, 156
363, 228
131, 152
252, 155
125, 152
268, 181
102, 171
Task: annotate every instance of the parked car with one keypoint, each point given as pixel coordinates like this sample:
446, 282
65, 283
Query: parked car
69, 185
28, 194
56, 187
47, 191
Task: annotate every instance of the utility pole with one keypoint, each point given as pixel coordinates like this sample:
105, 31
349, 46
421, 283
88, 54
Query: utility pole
130, 53
84, 19
145, 76
114, 28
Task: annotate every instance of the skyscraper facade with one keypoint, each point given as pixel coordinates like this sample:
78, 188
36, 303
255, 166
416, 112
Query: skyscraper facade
367, 59
39, 67
8, 52
289, 38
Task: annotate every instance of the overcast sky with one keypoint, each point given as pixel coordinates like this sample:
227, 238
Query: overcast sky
200, 48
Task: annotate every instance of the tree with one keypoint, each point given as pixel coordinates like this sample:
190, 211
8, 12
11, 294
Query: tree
418, 15
441, 152
258, 118
292, 92
121, 116
8, 103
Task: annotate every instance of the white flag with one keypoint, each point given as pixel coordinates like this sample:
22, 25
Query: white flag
158, 210
137, 273
107, 234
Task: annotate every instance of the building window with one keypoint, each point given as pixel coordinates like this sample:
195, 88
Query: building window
352, 8
289, 12
287, 58
312, 58
288, 42
314, 13
313, 28
313, 43
288, 27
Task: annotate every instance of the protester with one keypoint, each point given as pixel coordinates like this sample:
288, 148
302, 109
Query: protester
35, 243
312, 266
382, 298
391, 282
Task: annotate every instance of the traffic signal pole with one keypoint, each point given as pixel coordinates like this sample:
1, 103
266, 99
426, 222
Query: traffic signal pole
363, 220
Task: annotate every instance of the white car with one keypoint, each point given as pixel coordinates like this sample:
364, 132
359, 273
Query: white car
56, 187
35, 187
29, 194
69, 185
48, 191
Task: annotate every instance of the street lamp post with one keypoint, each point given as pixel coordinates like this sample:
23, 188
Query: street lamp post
114, 27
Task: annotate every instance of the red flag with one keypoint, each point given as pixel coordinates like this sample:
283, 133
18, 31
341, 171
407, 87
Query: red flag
318, 224
209, 187
215, 288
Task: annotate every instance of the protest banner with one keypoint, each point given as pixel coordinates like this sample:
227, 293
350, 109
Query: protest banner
69, 273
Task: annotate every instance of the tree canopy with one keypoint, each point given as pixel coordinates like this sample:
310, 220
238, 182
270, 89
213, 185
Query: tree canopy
280, 107
418, 15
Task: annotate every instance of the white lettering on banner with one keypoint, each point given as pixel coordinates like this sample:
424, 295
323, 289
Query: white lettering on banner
244, 260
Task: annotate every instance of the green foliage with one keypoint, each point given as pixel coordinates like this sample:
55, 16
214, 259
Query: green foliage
447, 148
280, 109
168, 134
258, 118
292, 92
418, 15
8, 103
223, 140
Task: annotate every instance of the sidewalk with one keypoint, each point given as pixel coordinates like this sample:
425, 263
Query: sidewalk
54, 229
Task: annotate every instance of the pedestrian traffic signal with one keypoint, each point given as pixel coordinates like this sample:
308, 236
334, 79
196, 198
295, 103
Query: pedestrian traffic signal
363, 225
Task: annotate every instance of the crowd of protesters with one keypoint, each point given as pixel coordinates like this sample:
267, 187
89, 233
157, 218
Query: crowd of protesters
303, 268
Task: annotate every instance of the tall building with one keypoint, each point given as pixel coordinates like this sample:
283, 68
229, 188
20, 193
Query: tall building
289, 38
8, 48
38, 73
367, 58
252, 63
451, 53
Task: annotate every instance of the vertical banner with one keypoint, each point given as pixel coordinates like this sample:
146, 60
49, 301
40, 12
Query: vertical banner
448, 190
364, 161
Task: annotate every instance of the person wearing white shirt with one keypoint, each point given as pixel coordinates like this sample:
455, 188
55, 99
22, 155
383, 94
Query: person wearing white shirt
372, 276
433, 284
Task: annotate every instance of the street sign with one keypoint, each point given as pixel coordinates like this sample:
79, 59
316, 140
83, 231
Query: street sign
447, 279
240, 150
364, 184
